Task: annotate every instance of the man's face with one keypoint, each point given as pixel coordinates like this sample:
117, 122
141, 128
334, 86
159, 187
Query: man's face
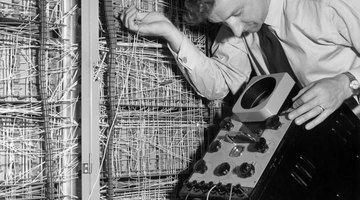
240, 15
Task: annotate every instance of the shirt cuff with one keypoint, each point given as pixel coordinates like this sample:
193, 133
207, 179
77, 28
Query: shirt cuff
188, 55
182, 61
356, 73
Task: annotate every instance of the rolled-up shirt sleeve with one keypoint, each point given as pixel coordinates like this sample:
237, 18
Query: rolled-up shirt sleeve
347, 19
213, 77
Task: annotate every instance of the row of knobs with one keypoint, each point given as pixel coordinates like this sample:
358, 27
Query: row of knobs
244, 170
219, 188
258, 146
272, 122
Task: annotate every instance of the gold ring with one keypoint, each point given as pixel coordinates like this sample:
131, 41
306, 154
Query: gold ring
322, 109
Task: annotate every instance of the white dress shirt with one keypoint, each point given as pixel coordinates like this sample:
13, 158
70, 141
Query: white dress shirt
321, 38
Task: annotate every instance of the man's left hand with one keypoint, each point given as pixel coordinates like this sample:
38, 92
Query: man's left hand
315, 102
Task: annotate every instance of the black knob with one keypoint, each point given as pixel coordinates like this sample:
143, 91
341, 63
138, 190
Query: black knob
202, 186
261, 145
189, 184
245, 170
214, 146
221, 188
214, 189
205, 187
273, 122
200, 166
226, 124
228, 187
196, 187
239, 191
208, 186
229, 125
222, 169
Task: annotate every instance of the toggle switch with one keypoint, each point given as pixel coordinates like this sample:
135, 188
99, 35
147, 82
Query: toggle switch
236, 151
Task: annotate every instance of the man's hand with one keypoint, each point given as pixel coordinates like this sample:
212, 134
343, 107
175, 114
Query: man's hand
145, 23
151, 24
319, 99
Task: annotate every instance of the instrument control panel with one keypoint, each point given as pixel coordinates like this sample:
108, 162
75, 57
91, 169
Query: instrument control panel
246, 142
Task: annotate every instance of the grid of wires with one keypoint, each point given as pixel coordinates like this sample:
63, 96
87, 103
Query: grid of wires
160, 121
22, 155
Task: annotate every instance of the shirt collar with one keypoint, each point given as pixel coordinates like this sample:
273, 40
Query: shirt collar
274, 13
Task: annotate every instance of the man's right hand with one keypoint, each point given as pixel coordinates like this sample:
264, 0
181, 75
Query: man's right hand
151, 24
145, 23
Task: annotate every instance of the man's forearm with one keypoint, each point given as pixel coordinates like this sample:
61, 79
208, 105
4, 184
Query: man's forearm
174, 37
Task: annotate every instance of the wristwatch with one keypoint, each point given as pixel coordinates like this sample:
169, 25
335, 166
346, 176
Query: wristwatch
354, 83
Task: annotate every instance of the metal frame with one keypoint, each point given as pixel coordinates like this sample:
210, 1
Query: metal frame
90, 97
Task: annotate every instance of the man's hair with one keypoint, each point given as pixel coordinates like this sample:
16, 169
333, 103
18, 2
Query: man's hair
198, 10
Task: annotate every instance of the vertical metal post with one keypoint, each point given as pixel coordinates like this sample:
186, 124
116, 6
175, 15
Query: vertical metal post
90, 96
71, 34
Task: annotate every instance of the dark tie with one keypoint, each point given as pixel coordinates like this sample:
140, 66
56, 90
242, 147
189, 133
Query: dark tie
274, 52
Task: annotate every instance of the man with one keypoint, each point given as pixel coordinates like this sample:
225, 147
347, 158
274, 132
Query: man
321, 39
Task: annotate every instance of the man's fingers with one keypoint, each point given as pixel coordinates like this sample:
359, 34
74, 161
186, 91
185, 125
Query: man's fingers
309, 114
142, 16
304, 99
126, 14
130, 9
123, 15
130, 18
302, 109
305, 95
320, 118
